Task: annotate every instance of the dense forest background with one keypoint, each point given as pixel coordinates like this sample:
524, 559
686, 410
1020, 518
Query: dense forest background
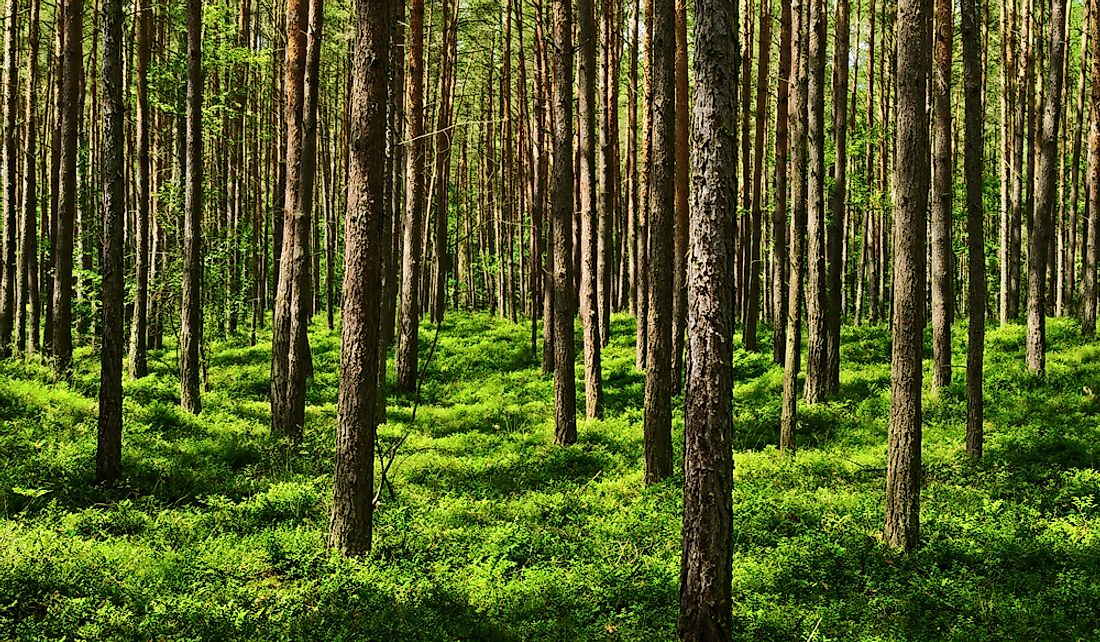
549, 319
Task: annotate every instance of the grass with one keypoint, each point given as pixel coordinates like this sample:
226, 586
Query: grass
217, 533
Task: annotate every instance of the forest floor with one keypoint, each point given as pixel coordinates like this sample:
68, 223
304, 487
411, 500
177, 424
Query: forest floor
494, 533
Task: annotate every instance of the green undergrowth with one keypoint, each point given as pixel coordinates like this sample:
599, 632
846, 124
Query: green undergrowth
493, 533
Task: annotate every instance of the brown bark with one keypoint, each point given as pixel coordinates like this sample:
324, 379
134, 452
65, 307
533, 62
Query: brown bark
706, 564
139, 366
109, 445
586, 152
973, 161
11, 177
350, 524
1092, 178
27, 269
837, 225
659, 362
1046, 195
780, 231
561, 204
443, 136
797, 122
943, 191
752, 305
817, 296
409, 309
191, 315
680, 203
911, 183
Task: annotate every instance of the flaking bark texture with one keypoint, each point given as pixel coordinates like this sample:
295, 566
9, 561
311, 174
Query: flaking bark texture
350, 524
911, 182
817, 300
706, 558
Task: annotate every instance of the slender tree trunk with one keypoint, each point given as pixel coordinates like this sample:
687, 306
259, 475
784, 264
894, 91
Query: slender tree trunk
839, 205
817, 296
706, 564
350, 524
1047, 193
943, 190
659, 362
443, 136
11, 176
780, 229
798, 118
409, 311
1092, 177
28, 241
973, 160
752, 307
586, 152
139, 366
191, 330
680, 203
109, 448
911, 182
561, 203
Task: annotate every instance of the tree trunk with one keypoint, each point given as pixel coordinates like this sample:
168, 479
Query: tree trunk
797, 124
11, 177
680, 204
943, 190
659, 361
350, 524
139, 366
911, 182
1046, 195
28, 241
752, 307
817, 296
443, 136
191, 330
1092, 177
973, 160
780, 230
409, 310
109, 448
706, 564
839, 205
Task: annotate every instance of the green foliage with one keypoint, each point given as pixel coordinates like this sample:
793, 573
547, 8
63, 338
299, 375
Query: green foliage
217, 532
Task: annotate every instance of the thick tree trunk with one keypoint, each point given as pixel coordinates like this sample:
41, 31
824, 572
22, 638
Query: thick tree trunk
911, 182
350, 524
680, 203
586, 152
973, 160
191, 330
109, 447
706, 564
1046, 195
659, 361
943, 190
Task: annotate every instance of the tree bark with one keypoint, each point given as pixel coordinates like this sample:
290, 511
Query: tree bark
11, 177
911, 183
28, 241
659, 360
752, 307
839, 205
109, 447
350, 524
680, 203
586, 152
706, 562
409, 309
973, 160
1092, 177
191, 330
817, 296
943, 190
139, 366
1046, 195
561, 204
780, 229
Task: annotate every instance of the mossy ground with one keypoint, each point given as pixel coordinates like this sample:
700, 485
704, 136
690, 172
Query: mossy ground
217, 532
